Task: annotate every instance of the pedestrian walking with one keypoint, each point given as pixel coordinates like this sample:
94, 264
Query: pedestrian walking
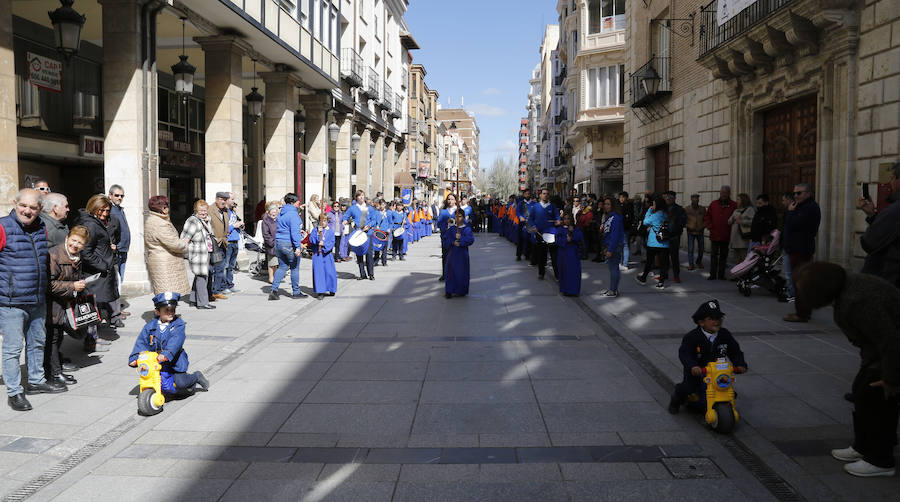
457, 240
716, 221
569, 240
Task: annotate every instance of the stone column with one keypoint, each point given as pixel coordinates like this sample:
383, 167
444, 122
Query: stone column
279, 139
344, 159
224, 114
9, 162
363, 181
378, 166
131, 154
316, 107
389, 170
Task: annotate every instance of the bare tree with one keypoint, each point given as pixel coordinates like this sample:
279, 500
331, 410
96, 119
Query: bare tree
501, 180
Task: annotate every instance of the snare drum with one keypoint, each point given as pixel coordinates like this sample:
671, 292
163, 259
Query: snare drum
549, 237
359, 242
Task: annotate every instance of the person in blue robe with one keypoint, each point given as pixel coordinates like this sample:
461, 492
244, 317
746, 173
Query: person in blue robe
568, 239
542, 218
396, 219
321, 244
445, 218
384, 224
457, 240
362, 216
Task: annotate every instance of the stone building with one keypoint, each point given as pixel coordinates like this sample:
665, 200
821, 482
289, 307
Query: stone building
762, 96
463, 124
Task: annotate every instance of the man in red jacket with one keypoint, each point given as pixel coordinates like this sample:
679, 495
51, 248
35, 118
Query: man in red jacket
716, 221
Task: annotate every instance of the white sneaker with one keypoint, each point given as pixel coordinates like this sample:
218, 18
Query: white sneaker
864, 469
847, 454
790, 299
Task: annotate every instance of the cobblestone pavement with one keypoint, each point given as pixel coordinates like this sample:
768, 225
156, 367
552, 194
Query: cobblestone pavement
389, 391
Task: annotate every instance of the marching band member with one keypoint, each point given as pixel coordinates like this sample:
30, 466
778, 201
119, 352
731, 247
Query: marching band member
542, 219
396, 219
384, 224
457, 240
524, 244
448, 210
568, 239
321, 241
362, 217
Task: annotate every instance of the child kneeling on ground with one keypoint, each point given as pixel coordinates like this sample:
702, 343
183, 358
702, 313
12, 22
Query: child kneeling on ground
165, 335
701, 346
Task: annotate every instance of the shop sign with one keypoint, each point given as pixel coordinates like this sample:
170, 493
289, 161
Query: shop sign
727, 9
424, 169
44, 72
92, 147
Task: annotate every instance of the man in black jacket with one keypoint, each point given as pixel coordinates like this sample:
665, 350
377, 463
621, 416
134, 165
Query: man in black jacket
882, 239
677, 221
801, 224
764, 220
701, 346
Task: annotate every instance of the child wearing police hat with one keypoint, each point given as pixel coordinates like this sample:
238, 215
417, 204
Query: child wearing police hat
165, 335
701, 346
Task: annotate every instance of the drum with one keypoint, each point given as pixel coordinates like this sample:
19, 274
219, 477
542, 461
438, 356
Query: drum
549, 237
398, 232
380, 238
359, 242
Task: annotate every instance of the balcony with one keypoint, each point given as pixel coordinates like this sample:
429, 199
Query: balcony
413, 126
713, 35
397, 109
560, 117
352, 68
642, 86
558, 80
387, 95
373, 89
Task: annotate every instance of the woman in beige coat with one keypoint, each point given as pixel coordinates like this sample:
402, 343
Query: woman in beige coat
740, 222
164, 250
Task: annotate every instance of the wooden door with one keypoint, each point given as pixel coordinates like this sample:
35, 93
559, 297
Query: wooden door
789, 148
661, 168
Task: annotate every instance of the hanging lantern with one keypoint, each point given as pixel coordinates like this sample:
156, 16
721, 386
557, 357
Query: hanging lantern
67, 24
354, 142
300, 123
254, 99
334, 131
183, 71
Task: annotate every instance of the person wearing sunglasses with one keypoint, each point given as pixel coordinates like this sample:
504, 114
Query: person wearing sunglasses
41, 186
801, 224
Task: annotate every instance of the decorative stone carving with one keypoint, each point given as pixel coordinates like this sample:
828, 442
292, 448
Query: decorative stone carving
755, 55
776, 45
720, 69
736, 63
802, 34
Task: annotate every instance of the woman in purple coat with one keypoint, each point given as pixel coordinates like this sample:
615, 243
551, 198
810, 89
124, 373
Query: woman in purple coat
457, 239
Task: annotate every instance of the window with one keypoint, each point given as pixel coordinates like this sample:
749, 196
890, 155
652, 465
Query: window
606, 15
27, 98
288, 5
605, 86
86, 105
303, 14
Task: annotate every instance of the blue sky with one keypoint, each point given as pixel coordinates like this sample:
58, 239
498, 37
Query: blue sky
483, 51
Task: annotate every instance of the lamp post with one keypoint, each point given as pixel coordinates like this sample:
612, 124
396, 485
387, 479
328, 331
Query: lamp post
67, 24
254, 99
183, 71
649, 80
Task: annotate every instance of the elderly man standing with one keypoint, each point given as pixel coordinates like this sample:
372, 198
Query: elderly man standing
117, 214
218, 220
23, 309
231, 251
716, 221
801, 224
55, 210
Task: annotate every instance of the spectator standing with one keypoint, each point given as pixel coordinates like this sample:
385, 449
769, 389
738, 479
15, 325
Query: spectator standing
54, 211
66, 284
764, 221
235, 225
164, 249
627, 208
801, 224
583, 216
198, 235
269, 229
99, 255
657, 216
716, 221
218, 220
882, 239
695, 215
677, 221
787, 199
313, 210
614, 242
116, 196
23, 252
740, 221
41, 185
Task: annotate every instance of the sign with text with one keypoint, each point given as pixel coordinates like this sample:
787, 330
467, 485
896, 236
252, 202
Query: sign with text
44, 72
727, 9
92, 147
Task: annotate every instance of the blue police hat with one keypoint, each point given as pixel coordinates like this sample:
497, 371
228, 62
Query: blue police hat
167, 298
708, 309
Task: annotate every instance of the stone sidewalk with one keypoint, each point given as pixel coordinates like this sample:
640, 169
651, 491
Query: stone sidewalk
390, 392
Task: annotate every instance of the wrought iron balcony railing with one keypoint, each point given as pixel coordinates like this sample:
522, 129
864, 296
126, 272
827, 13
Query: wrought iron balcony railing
712, 34
352, 68
373, 88
387, 96
643, 89
560, 117
558, 80
397, 112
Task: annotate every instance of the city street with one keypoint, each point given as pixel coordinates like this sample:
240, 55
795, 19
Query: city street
388, 391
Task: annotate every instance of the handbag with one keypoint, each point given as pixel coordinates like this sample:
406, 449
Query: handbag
82, 313
744, 229
217, 256
663, 234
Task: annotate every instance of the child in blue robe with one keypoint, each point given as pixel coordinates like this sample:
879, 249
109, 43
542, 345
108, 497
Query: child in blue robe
321, 244
568, 239
457, 240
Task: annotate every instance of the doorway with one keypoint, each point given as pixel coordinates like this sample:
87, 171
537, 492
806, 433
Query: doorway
660, 157
789, 147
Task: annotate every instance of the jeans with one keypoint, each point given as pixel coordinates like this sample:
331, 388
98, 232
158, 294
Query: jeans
23, 328
231, 253
789, 278
626, 249
698, 238
218, 277
614, 273
284, 251
122, 258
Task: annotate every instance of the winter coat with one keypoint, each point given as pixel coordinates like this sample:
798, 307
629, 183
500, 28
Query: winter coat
764, 221
218, 221
165, 255
677, 222
740, 217
716, 220
628, 223
99, 258
866, 311
882, 243
63, 274
269, 229
199, 233
23, 262
117, 214
584, 219
695, 224
800, 228
653, 220
696, 350
57, 231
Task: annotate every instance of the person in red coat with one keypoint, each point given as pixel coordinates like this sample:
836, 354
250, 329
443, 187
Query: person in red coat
716, 221
583, 218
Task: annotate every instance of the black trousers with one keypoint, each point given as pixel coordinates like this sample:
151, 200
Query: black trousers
397, 247
52, 357
663, 255
443, 260
690, 384
718, 258
675, 256
539, 257
367, 262
874, 420
521, 242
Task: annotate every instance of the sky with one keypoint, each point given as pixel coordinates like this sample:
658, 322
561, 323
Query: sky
482, 51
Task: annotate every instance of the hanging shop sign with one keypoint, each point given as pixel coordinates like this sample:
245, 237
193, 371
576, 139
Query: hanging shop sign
44, 72
91, 147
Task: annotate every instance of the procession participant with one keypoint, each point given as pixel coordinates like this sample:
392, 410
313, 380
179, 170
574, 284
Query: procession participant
334, 223
457, 240
321, 241
614, 241
362, 217
404, 245
523, 246
568, 244
448, 212
383, 223
396, 220
514, 223
413, 229
543, 217
344, 227
288, 246
464, 205
429, 220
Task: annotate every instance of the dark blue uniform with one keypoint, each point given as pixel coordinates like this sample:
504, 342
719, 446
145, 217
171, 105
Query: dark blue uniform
696, 350
170, 343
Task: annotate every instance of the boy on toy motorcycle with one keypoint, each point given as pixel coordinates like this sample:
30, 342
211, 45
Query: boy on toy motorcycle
702, 345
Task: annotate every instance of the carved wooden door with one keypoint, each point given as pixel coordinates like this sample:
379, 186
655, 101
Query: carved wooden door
789, 148
661, 168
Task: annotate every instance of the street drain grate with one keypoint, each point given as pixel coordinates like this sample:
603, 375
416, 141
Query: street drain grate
692, 468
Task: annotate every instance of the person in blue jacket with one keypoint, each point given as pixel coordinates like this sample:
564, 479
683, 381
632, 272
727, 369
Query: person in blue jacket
568, 245
523, 246
656, 221
396, 220
613, 242
288, 246
445, 218
165, 335
363, 217
457, 239
383, 223
321, 242
543, 218
464, 205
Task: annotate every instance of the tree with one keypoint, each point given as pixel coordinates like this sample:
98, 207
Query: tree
501, 180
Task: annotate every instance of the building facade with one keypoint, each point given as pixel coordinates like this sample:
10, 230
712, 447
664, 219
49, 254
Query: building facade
535, 113
550, 104
463, 124
765, 96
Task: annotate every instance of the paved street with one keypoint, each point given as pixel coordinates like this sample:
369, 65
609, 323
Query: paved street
388, 391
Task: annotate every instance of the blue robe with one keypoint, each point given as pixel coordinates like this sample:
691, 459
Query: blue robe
456, 270
324, 273
569, 261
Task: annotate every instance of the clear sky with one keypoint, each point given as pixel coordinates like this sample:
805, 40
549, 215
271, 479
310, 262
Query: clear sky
482, 51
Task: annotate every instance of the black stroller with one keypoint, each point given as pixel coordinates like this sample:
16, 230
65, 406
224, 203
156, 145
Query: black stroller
760, 268
257, 266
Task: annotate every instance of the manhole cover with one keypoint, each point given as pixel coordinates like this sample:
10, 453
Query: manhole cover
692, 468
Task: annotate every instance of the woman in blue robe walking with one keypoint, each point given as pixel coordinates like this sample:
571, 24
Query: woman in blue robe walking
321, 242
568, 239
457, 240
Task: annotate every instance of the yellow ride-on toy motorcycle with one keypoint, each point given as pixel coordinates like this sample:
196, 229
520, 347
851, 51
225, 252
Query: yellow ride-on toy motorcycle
721, 414
150, 397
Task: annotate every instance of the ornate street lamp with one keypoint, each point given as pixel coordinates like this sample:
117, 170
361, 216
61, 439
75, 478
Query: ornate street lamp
183, 71
67, 24
333, 131
649, 80
254, 99
354, 143
300, 123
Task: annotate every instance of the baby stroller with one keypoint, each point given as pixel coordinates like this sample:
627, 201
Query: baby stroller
257, 266
760, 269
